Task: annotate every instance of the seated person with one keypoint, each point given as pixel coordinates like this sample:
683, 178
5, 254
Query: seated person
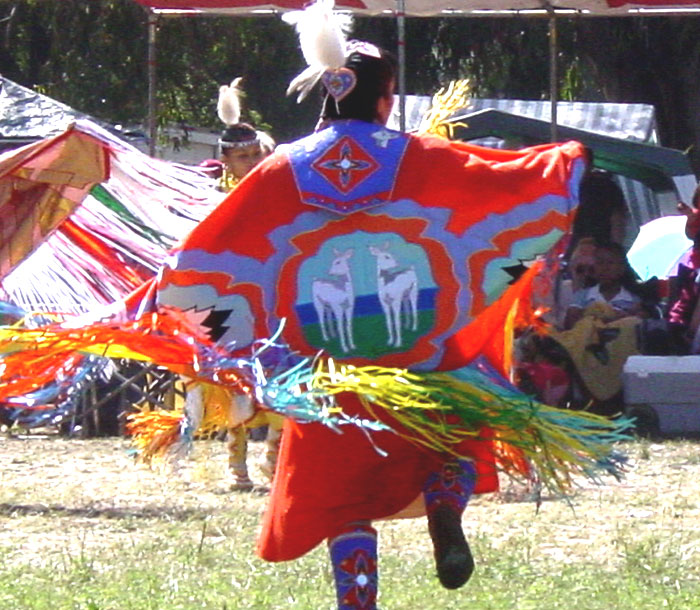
602, 331
602, 217
603, 214
616, 287
581, 267
579, 273
684, 312
539, 370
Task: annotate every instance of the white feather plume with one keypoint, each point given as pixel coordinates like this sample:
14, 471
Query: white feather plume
305, 81
229, 105
322, 37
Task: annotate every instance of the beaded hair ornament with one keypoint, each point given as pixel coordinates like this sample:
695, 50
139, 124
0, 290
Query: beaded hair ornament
322, 38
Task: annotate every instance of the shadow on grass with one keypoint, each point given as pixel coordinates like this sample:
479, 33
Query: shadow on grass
169, 514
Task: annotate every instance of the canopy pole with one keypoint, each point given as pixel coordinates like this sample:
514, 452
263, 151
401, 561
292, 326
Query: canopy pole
401, 35
553, 78
152, 131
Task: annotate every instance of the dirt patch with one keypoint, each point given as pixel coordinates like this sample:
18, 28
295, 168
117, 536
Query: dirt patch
57, 493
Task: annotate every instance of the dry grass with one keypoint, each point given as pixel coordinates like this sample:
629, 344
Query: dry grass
52, 489
66, 499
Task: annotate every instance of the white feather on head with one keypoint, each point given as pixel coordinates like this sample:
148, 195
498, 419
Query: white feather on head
229, 105
322, 38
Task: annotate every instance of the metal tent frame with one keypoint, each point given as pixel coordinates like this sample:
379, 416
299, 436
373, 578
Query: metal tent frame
399, 9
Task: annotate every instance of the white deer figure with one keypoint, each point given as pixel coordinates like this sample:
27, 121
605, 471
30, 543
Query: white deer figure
334, 300
397, 289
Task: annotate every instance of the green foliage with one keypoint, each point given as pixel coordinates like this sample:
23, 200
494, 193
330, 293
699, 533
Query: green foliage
82, 53
196, 56
91, 54
653, 61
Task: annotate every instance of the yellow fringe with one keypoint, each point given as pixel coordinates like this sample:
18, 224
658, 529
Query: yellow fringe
445, 103
216, 401
558, 443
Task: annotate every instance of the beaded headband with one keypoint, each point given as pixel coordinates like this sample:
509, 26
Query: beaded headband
239, 143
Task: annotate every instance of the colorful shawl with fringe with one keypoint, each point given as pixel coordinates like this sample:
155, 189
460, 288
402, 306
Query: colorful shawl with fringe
378, 265
379, 251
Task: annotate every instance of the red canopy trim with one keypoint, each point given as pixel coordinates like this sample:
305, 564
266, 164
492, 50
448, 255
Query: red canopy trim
427, 7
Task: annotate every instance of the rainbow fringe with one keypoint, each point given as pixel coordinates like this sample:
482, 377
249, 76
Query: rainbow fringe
434, 410
439, 410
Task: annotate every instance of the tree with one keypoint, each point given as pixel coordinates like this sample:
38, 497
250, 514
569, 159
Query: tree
196, 55
82, 53
633, 60
649, 60
91, 54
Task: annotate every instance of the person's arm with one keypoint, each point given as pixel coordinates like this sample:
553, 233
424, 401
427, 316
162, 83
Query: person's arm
573, 315
694, 321
639, 310
633, 307
575, 310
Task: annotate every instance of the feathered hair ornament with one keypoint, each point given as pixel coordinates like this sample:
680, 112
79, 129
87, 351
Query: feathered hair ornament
322, 37
236, 134
229, 105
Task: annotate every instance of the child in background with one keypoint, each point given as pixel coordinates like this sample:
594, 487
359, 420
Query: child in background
615, 288
602, 332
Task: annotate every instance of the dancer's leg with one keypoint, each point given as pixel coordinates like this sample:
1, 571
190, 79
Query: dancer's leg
237, 456
272, 445
354, 557
446, 495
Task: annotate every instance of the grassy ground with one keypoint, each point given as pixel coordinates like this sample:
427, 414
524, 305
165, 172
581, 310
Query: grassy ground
84, 528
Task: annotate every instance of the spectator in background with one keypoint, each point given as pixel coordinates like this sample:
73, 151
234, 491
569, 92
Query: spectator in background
582, 265
540, 369
578, 273
615, 286
684, 312
602, 326
602, 214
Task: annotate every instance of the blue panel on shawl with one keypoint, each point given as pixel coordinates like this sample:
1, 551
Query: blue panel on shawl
350, 166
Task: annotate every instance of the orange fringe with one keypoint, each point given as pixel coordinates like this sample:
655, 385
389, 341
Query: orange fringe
154, 432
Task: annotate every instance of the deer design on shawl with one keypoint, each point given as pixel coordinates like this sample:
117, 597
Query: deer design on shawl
397, 289
334, 300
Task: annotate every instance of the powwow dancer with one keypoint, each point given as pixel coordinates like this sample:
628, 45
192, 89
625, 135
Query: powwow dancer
237, 413
440, 208
421, 430
241, 147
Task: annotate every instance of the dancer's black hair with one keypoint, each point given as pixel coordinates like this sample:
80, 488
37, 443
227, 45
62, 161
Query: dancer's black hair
375, 79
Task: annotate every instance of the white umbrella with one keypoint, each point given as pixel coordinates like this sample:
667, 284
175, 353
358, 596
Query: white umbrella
659, 247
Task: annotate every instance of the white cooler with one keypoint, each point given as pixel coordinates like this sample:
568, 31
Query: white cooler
663, 393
